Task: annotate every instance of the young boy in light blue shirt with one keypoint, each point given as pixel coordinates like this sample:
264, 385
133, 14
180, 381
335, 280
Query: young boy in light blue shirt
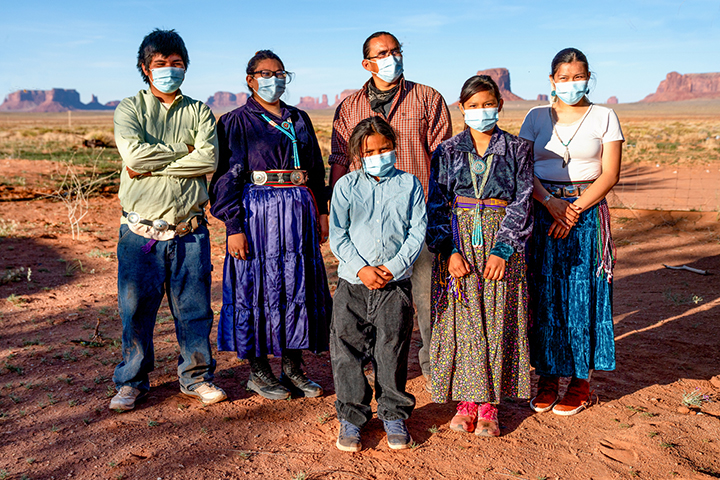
377, 230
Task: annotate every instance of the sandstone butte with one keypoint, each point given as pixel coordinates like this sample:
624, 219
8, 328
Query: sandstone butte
678, 87
226, 101
55, 100
502, 78
612, 101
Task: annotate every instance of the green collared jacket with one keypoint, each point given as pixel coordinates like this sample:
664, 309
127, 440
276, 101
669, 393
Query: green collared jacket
153, 138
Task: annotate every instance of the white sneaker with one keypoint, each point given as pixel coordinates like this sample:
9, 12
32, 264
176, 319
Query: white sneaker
206, 392
125, 398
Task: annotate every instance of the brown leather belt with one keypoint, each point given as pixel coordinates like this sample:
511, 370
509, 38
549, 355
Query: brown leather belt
279, 178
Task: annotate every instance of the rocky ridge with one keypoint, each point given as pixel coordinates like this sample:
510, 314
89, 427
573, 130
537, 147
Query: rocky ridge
678, 87
55, 100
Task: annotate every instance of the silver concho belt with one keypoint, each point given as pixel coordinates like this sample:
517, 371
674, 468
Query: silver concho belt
279, 178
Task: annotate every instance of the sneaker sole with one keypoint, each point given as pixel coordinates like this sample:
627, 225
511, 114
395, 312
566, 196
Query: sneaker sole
127, 408
252, 387
568, 413
459, 428
198, 397
546, 409
400, 447
287, 383
348, 449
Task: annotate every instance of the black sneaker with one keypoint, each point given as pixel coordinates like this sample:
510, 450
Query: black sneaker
398, 436
293, 376
263, 382
349, 437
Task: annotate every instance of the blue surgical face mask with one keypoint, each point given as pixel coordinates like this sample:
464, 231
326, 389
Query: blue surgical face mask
167, 79
380, 165
571, 92
481, 119
390, 68
270, 89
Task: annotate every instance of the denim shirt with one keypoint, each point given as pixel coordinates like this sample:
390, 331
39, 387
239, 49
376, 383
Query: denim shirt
377, 222
510, 179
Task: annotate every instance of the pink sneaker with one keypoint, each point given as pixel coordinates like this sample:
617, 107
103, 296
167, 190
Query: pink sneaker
465, 418
487, 424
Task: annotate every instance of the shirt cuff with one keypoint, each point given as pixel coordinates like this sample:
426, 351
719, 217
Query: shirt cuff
180, 149
502, 250
235, 225
396, 267
356, 264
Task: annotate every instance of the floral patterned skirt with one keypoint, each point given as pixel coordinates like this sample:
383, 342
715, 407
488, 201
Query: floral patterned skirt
479, 347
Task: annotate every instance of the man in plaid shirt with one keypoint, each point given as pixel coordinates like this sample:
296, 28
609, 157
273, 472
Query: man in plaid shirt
420, 117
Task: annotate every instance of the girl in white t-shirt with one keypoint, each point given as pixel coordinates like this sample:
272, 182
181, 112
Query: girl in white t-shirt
577, 148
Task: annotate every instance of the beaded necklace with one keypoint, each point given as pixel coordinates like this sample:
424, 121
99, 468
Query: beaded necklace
566, 154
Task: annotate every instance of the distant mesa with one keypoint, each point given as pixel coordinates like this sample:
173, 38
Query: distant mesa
226, 101
55, 100
312, 103
343, 95
543, 98
678, 87
612, 101
502, 78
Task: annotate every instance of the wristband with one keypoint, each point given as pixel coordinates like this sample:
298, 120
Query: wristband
546, 199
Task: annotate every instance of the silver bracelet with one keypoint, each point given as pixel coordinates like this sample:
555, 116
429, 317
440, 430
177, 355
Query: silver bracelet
546, 199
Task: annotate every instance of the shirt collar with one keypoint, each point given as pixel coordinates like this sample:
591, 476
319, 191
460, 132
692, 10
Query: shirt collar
497, 146
178, 97
372, 180
401, 84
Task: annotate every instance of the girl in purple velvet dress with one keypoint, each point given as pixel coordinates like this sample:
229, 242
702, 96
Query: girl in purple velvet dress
269, 190
479, 218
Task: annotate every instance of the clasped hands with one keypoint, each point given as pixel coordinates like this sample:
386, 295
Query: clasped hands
565, 214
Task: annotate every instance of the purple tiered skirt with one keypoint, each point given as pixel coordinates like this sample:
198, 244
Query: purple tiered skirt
278, 298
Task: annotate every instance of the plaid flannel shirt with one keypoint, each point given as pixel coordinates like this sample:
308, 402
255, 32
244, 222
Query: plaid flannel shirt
419, 116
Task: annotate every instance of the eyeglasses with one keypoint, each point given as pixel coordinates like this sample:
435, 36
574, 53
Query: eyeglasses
269, 74
397, 52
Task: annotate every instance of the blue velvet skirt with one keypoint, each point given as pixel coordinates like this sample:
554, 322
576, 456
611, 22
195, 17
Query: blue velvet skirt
278, 298
571, 328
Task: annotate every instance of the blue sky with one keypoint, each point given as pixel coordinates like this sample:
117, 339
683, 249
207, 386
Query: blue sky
92, 46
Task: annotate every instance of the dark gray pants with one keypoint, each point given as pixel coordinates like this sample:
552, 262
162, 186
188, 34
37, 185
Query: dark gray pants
371, 325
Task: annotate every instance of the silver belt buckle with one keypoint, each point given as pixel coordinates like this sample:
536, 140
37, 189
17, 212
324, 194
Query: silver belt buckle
297, 177
133, 218
160, 225
571, 191
259, 178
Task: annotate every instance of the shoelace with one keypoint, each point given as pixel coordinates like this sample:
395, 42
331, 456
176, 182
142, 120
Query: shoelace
125, 390
488, 412
395, 427
347, 429
467, 408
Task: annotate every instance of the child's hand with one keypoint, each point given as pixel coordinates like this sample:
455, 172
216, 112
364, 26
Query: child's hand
237, 246
387, 275
494, 268
458, 266
558, 230
372, 277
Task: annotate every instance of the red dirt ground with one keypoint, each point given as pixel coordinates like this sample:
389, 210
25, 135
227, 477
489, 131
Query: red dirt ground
54, 391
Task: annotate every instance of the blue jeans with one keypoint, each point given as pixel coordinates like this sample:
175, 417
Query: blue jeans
182, 267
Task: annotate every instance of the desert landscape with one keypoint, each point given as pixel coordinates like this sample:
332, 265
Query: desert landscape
656, 417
